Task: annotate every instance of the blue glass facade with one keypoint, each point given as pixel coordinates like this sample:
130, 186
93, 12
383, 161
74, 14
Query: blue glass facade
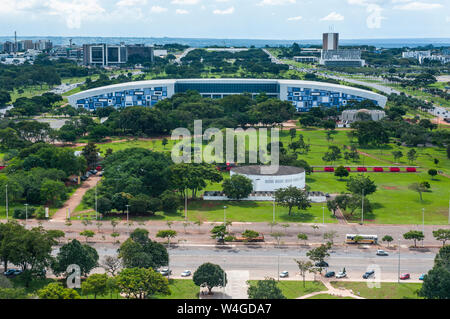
304, 98
228, 88
120, 99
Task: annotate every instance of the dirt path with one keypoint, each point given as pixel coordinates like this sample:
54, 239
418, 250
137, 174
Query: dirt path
75, 199
340, 217
332, 291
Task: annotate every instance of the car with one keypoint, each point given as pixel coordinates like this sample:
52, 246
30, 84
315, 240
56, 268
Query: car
186, 273
12, 272
381, 252
422, 277
405, 276
83, 178
322, 264
165, 272
368, 274
330, 274
341, 275
284, 274
93, 171
100, 174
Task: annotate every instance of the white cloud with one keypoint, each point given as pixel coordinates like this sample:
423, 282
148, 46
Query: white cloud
181, 11
74, 12
295, 18
131, 3
418, 6
230, 10
276, 2
158, 9
185, 2
333, 16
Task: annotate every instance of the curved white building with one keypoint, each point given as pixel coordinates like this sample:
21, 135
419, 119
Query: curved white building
303, 94
285, 177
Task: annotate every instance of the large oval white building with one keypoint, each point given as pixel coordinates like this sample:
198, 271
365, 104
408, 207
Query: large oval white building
304, 95
285, 177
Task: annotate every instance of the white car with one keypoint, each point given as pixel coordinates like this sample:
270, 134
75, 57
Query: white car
341, 275
284, 274
381, 252
186, 273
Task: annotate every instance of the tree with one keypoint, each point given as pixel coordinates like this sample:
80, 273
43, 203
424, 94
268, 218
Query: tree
436, 284
341, 172
265, 289
411, 155
219, 233
170, 201
164, 142
432, 172
10, 234
249, 235
359, 184
278, 236
111, 264
237, 187
292, 197
302, 236
169, 234
442, 235
397, 155
332, 206
414, 235
419, 188
388, 239
141, 283
292, 133
87, 234
318, 254
330, 236
75, 253
96, 285
5, 97
303, 267
90, 153
52, 191
56, 290
332, 155
139, 251
210, 275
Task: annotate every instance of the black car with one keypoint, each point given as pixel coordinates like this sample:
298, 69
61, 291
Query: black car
322, 264
330, 274
368, 274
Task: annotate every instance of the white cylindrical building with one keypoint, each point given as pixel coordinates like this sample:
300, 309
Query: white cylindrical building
285, 177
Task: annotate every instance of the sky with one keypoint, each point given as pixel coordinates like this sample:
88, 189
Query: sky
228, 19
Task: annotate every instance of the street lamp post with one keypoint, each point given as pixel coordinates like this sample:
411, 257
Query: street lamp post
274, 210
362, 207
185, 207
26, 214
6, 201
224, 215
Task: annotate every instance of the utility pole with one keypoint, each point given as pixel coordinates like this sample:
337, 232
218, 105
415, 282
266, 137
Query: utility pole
185, 207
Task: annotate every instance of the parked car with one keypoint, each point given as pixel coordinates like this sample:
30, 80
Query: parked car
83, 178
330, 274
284, 274
381, 252
405, 276
93, 171
186, 273
12, 273
322, 264
422, 277
165, 272
368, 274
341, 275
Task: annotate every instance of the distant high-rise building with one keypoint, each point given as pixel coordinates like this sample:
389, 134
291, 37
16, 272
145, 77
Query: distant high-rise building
330, 41
114, 55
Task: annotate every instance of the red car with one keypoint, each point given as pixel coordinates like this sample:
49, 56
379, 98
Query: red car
405, 276
395, 169
411, 169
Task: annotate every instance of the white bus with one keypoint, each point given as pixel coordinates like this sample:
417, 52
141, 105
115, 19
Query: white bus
363, 239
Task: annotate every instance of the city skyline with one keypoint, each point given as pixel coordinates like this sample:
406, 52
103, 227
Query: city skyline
251, 19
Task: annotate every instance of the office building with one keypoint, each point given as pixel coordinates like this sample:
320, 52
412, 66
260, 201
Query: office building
306, 59
350, 116
114, 55
330, 41
341, 58
304, 95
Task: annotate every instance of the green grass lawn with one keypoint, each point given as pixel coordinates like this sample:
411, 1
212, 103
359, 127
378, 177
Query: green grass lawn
293, 289
386, 291
328, 296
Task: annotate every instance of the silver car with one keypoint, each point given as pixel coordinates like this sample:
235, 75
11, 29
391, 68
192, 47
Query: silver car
284, 274
186, 273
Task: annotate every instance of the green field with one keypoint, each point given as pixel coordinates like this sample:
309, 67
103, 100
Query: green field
386, 291
181, 289
293, 289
